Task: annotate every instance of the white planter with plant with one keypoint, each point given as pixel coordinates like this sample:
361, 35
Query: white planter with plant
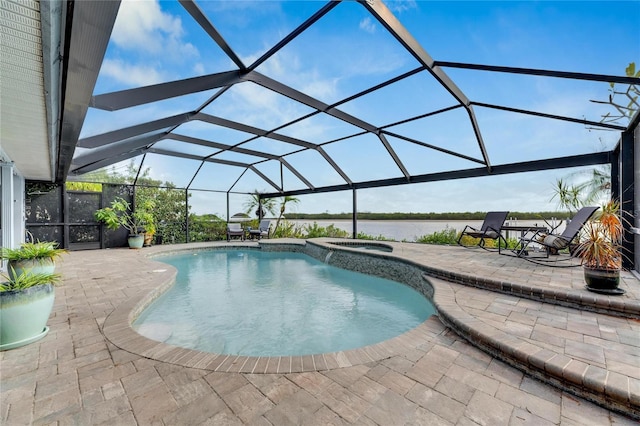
38, 257
26, 301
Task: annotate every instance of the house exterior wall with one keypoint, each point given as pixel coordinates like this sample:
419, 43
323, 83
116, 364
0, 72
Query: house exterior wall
11, 207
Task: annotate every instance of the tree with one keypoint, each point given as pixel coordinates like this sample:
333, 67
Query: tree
287, 199
627, 107
268, 204
598, 179
170, 204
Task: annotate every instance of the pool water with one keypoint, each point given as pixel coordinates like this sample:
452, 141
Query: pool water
257, 303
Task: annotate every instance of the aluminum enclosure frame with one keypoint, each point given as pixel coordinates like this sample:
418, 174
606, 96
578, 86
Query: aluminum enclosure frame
88, 31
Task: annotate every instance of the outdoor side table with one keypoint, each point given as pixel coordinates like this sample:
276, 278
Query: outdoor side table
524, 230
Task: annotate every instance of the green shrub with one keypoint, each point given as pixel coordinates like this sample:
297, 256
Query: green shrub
363, 236
449, 236
316, 231
446, 236
288, 229
207, 230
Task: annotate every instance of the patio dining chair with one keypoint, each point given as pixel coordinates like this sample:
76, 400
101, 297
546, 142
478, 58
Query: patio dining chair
554, 243
234, 230
490, 229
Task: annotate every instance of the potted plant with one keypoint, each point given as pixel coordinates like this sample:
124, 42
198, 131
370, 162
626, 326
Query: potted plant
120, 214
149, 232
26, 300
601, 251
38, 257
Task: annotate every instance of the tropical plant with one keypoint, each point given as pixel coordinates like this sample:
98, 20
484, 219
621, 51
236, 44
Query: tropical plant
119, 214
268, 204
39, 251
288, 230
26, 280
567, 195
287, 199
601, 243
171, 208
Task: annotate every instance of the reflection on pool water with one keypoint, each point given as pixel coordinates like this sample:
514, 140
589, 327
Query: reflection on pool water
258, 303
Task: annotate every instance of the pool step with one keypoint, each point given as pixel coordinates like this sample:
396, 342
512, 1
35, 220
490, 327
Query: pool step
574, 298
594, 356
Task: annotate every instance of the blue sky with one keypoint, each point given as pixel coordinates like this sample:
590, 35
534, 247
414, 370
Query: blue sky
348, 51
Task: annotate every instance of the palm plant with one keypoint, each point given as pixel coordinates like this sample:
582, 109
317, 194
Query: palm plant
254, 202
568, 196
287, 199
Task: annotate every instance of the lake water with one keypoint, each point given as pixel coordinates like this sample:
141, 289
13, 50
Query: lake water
409, 230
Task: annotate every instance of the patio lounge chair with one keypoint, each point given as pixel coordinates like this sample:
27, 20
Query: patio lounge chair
553, 243
490, 229
264, 229
234, 230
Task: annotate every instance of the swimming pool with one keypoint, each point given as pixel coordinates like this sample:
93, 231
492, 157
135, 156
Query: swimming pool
255, 303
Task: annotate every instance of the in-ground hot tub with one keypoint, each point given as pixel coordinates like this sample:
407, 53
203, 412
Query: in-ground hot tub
364, 245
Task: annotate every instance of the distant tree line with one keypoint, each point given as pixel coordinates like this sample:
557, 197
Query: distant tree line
424, 216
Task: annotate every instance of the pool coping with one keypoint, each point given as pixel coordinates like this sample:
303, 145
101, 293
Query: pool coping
611, 389
117, 328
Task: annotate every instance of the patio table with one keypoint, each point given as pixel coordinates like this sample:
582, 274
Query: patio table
524, 230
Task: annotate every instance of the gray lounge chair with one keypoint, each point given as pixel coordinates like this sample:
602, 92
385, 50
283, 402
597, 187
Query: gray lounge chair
264, 230
234, 230
553, 243
490, 229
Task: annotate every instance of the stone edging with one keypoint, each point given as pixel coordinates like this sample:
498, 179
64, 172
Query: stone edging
603, 387
117, 329
606, 388
604, 304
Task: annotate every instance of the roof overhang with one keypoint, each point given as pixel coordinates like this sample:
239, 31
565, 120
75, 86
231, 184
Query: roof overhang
30, 71
46, 44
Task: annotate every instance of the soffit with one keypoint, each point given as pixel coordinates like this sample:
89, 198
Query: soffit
23, 117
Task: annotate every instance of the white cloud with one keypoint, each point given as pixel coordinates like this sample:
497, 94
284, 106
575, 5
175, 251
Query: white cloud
131, 75
143, 27
400, 6
198, 68
367, 25
287, 67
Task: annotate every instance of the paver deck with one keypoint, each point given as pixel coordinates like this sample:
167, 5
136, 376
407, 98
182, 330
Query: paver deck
80, 373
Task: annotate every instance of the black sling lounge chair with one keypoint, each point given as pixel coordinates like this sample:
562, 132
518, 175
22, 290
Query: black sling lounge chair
490, 229
553, 243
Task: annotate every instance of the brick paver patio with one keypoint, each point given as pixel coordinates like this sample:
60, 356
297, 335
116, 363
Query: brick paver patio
80, 374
